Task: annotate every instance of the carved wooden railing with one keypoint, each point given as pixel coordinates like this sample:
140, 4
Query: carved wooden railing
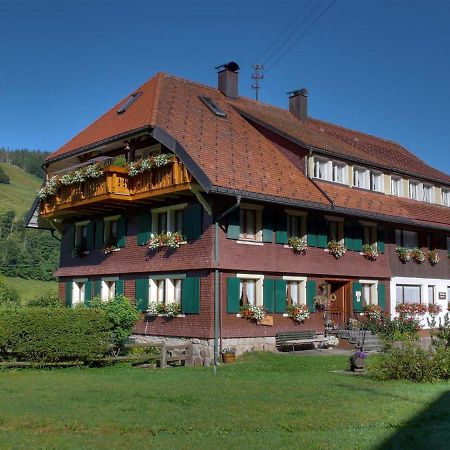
115, 183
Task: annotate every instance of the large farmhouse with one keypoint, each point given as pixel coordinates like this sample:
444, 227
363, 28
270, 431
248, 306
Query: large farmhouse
189, 195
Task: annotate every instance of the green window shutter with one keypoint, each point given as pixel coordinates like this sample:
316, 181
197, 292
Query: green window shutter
357, 306
311, 226
120, 288
90, 235
281, 236
144, 224
141, 294
233, 300
357, 237
69, 293
380, 239
121, 231
280, 296
97, 288
190, 295
192, 222
268, 294
87, 292
322, 233
310, 294
70, 240
267, 232
234, 227
348, 235
99, 233
381, 296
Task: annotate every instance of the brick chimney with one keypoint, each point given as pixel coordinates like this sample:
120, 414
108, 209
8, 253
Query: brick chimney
298, 103
228, 79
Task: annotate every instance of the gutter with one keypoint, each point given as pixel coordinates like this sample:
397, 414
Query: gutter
217, 311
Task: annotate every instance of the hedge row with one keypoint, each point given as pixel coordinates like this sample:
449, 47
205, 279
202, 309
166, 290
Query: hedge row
53, 334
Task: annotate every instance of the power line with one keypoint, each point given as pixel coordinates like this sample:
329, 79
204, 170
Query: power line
301, 36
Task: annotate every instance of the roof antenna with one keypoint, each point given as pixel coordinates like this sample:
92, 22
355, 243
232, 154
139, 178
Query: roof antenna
257, 75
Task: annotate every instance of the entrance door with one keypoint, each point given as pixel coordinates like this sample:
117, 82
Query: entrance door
340, 304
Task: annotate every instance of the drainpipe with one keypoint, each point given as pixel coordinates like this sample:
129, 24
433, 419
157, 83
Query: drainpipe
217, 314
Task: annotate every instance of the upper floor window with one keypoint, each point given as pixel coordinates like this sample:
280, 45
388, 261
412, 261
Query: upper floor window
111, 230
396, 186
369, 234
446, 197
81, 234
250, 223
335, 229
376, 181
322, 169
361, 178
406, 238
428, 193
414, 188
169, 218
296, 224
339, 172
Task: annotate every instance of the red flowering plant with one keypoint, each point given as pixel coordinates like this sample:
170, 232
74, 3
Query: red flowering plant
372, 312
434, 310
411, 309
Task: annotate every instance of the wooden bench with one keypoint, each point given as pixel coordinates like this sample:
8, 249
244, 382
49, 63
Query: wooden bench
297, 338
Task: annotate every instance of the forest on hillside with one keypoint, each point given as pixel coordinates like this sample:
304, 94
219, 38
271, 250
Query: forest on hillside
29, 160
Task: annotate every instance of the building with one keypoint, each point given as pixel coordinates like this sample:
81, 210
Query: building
245, 177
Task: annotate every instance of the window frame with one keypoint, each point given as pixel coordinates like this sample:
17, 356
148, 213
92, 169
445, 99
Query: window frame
259, 280
80, 228
400, 232
107, 229
257, 211
373, 284
402, 285
301, 225
428, 188
105, 293
301, 298
169, 288
365, 177
372, 229
398, 181
445, 197
340, 234
327, 163
170, 212
78, 294
379, 178
417, 190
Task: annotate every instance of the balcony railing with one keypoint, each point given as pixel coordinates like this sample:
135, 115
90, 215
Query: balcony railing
116, 185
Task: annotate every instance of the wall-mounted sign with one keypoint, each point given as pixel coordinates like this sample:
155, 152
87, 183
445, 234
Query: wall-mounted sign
442, 295
358, 296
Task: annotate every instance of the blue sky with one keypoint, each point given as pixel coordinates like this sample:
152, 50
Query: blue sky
378, 66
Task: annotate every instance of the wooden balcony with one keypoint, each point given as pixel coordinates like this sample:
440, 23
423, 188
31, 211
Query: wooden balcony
116, 189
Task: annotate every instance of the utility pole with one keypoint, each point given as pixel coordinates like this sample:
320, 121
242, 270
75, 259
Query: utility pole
257, 76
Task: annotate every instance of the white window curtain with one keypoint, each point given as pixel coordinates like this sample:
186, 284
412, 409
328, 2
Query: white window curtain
251, 291
160, 290
366, 289
294, 292
411, 294
177, 293
413, 190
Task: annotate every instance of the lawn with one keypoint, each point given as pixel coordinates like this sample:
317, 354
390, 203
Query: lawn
29, 289
262, 401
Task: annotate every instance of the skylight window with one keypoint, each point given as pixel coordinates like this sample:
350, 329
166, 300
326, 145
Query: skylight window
212, 106
129, 101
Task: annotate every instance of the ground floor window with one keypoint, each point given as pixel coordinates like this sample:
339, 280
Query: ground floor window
431, 294
108, 288
369, 292
166, 290
295, 291
78, 292
250, 289
408, 293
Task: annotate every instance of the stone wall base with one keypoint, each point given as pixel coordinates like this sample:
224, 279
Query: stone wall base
203, 349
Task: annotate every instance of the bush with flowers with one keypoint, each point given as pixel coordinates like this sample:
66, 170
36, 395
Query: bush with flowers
372, 312
433, 257
370, 251
404, 254
336, 248
144, 165
299, 313
253, 312
298, 244
169, 310
169, 239
320, 302
418, 255
411, 309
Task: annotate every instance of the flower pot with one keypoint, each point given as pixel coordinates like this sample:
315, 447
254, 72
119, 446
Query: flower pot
228, 357
357, 364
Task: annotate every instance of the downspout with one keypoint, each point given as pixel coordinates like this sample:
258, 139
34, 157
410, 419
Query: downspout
217, 315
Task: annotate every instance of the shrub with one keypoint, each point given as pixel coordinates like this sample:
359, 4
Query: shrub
45, 301
122, 316
120, 161
409, 361
8, 296
4, 178
53, 334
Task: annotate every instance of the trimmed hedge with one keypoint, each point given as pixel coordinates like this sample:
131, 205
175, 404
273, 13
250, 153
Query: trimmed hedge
53, 334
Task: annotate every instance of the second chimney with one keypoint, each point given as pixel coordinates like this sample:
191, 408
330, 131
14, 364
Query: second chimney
298, 103
228, 79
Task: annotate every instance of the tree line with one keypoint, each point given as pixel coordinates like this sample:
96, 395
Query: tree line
29, 160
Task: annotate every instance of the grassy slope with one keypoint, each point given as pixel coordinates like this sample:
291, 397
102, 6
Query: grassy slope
29, 289
263, 401
20, 193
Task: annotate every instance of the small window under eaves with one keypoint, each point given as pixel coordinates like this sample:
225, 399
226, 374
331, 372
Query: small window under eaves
212, 106
129, 101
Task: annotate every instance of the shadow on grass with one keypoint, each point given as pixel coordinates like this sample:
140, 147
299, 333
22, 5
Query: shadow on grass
430, 429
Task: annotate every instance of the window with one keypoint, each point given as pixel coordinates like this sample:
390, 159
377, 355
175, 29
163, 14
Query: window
295, 291
166, 290
339, 172
250, 289
431, 295
335, 229
369, 292
110, 232
81, 234
130, 100
369, 234
250, 223
428, 193
408, 293
376, 181
108, 288
396, 186
212, 106
361, 178
414, 190
78, 292
169, 218
296, 224
406, 238
446, 197
321, 169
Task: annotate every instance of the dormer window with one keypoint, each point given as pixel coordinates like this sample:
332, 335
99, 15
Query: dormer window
376, 181
321, 169
396, 186
428, 193
339, 172
414, 188
446, 197
361, 178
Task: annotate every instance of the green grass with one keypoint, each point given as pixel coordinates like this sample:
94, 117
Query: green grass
29, 289
20, 193
263, 401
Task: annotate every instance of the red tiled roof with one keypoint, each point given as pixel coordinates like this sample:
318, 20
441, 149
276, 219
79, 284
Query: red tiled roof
232, 154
